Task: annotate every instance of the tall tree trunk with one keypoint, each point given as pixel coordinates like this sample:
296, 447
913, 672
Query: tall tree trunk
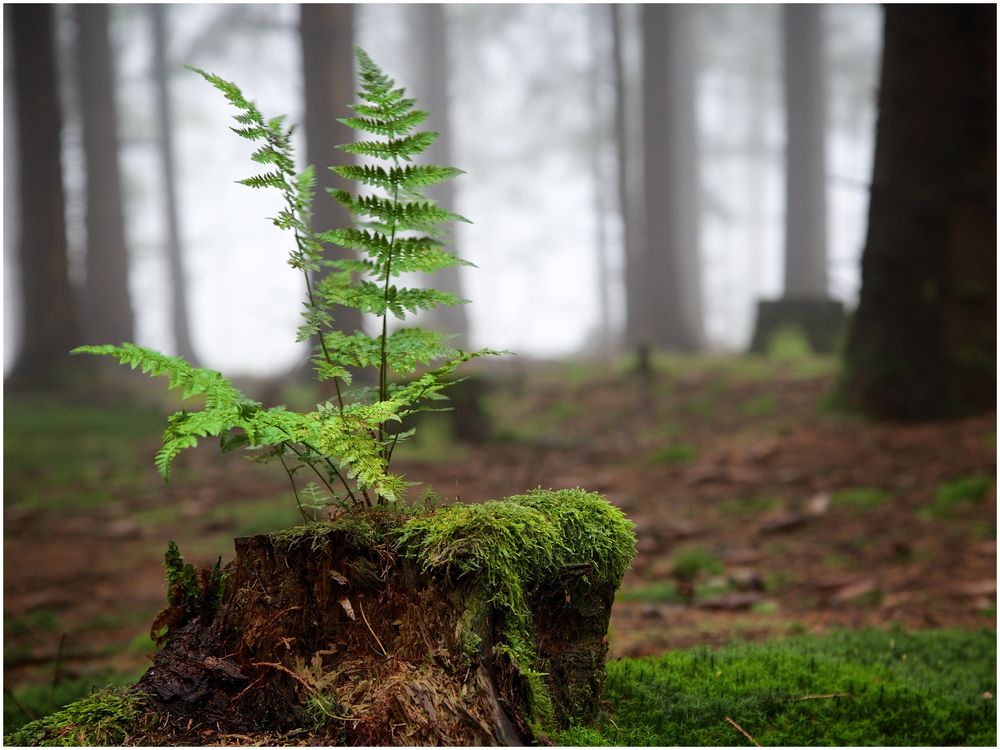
50, 323
805, 154
923, 342
107, 313
672, 283
629, 201
429, 24
328, 76
598, 135
175, 255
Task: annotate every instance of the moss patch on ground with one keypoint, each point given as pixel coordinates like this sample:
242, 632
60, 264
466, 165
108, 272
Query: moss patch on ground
107, 717
868, 687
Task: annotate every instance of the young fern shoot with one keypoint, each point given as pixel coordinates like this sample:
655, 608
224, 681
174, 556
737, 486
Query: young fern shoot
396, 230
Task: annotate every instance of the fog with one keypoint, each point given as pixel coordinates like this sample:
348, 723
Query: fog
523, 112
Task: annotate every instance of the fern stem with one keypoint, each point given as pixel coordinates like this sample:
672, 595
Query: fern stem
295, 489
383, 376
322, 341
330, 464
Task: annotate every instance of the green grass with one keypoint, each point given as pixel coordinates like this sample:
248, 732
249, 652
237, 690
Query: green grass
860, 498
692, 562
891, 688
63, 457
658, 592
677, 453
760, 406
749, 505
958, 493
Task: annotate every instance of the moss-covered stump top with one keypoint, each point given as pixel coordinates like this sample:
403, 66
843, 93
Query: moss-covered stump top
468, 625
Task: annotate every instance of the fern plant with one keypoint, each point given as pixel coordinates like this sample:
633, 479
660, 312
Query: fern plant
344, 443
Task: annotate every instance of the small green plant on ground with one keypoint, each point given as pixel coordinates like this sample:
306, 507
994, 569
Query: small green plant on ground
678, 453
958, 493
789, 343
760, 406
344, 443
860, 498
848, 688
750, 505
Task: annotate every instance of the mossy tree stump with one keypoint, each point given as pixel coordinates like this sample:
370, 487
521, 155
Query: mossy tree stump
469, 625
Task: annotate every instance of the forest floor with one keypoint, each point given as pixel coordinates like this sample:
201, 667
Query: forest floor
759, 511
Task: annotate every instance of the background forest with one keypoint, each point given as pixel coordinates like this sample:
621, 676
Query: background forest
745, 255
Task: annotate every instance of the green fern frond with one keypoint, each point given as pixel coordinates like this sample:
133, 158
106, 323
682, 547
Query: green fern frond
396, 148
396, 230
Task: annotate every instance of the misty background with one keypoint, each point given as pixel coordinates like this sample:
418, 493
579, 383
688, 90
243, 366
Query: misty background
531, 111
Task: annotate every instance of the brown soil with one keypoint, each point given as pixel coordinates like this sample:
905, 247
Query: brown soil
757, 491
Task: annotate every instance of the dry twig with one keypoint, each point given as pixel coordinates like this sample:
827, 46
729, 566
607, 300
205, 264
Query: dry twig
362, 608
824, 696
744, 732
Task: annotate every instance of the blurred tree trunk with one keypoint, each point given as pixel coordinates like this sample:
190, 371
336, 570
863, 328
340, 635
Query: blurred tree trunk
671, 283
328, 77
175, 255
107, 312
805, 305
805, 153
629, 200
50, 323
923, 341
597, 16
429, 29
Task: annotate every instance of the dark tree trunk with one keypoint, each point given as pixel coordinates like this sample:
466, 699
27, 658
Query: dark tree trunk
430, 31
923, 341
671, 275
327, 33
175, 254
50, 322
805, 152
107, 311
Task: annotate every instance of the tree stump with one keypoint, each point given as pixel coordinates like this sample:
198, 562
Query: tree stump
469, 625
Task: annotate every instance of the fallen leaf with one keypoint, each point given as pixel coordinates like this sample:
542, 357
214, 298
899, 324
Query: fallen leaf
346, 604
338, 577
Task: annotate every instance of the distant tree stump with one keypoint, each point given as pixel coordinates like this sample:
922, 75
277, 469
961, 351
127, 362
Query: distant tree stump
371, 630
822, 321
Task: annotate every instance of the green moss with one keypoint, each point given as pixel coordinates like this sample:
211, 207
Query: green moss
678, 453
749, 505
760, 406
105, 718
690, 563
957, 493
860, 498
358, 532
508, 547
859, 688
659, 592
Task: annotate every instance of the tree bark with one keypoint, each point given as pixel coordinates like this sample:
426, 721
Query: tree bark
630, 205
923, 340
430, 24
327, 33
175, 254
671, 275
805, 153
107, 310
598, 136
50, 323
